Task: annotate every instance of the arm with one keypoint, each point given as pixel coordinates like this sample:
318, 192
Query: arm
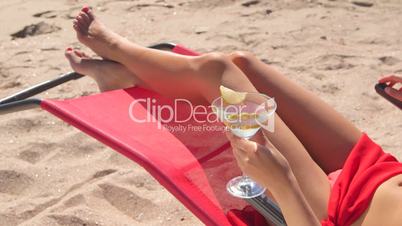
265, 164
293, 204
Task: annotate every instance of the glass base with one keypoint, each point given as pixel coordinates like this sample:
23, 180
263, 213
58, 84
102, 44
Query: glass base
244, 187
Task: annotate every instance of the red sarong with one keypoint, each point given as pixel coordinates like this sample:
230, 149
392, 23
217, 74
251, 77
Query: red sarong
366, 168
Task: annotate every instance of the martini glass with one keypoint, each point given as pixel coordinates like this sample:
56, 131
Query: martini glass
244, 120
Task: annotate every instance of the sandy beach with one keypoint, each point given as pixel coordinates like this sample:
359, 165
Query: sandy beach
53, 174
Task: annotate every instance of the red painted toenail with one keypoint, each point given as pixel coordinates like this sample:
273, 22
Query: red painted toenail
85, 9
69, 49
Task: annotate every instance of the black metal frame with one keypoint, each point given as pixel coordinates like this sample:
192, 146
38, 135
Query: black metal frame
269, 209
19, 101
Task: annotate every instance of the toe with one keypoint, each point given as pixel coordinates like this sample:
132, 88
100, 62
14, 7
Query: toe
78, 53
82, 22
83, 29
88, 11
81, 54
74, 60
84, 55
69, 53
85, 8
79, 19
75, 25
90, 14
85, 18
76, 28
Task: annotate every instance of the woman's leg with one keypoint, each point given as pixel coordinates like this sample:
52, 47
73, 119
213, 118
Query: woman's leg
162, 71
107, 74
327, 135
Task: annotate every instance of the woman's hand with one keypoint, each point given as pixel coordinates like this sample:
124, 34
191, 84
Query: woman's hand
267, 166
264, 164
392, 80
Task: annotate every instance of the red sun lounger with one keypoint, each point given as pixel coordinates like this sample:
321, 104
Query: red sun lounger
192, 160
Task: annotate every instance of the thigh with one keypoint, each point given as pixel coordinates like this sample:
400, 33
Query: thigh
325, 133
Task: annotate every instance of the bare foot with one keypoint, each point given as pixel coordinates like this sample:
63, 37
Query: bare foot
108, 75
92, 33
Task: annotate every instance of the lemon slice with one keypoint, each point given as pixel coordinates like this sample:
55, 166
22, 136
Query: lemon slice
231, 96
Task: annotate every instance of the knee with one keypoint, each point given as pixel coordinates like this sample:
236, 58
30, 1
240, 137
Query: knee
218, 60
213, 59
211, 64
242, 58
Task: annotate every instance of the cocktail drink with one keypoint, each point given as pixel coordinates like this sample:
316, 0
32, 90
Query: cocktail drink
244, 114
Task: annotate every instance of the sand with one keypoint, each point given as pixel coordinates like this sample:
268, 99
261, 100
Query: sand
52, 174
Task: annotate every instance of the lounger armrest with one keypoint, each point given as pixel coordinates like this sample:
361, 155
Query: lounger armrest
20, 105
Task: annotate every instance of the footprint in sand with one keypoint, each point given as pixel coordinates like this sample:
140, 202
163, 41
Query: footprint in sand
24, 124
318, 76
333, 62
250, 3
128, 202
34, 152
389, 60
3, 72
330, 88
146, 5
29, 156
202, 4
363, 3
69, 220
74, 201
103, 173
12, 182
118, 159
11, 84
35, 29
46, 14
76, 145
141, 181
